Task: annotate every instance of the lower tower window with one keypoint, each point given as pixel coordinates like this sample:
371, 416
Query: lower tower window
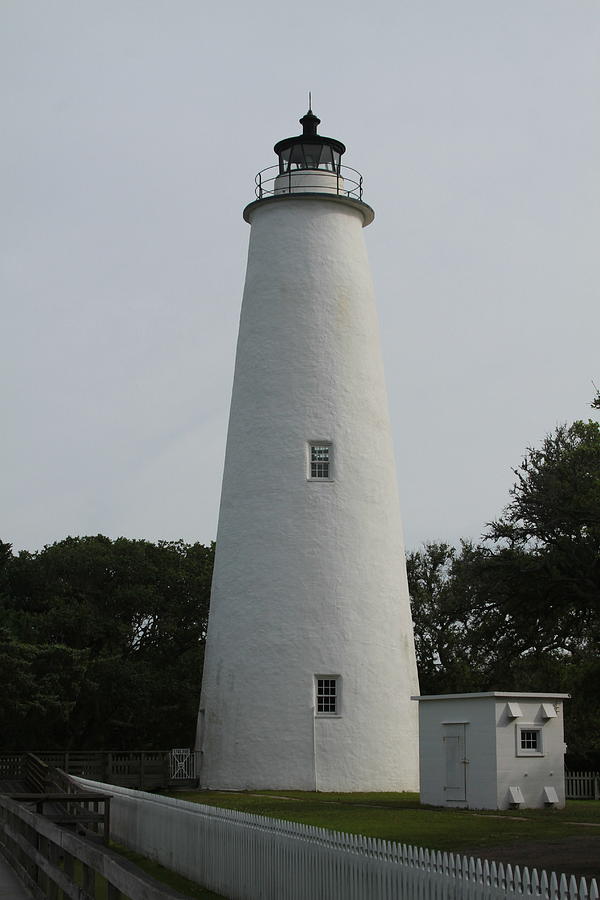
328, 695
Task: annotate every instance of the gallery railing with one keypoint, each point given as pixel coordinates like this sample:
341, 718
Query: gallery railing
345, 182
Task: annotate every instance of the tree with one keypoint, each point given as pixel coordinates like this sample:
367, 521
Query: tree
521, 611
553, 524
110, 637
446, 644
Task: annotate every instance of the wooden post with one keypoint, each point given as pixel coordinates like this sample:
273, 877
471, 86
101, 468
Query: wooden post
89, 880
107, 821
53, 858
40, 876
69, 865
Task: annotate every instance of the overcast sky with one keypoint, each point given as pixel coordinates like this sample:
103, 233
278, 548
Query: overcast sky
132, 131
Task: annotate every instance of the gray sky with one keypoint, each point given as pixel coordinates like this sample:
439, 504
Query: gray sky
132, 133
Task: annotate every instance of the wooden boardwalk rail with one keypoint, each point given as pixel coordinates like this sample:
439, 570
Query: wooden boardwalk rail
53, 862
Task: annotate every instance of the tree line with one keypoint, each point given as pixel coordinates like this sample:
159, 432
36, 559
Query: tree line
101, 641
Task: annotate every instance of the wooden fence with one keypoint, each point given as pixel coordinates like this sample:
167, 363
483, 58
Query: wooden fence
146, 770
582, 785
248, 857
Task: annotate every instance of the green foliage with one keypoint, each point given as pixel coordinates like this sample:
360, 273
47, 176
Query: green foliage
522, 610
103, 641
443, 615
166, 876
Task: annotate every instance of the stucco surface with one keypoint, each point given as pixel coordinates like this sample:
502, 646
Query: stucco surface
309, 576
531, 773
490, 749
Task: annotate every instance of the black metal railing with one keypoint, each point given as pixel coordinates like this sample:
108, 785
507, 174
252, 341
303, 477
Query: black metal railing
344, 182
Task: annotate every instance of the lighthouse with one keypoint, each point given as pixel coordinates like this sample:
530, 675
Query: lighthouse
310, 662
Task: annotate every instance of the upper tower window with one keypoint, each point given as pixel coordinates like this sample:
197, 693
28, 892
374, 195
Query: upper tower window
319, 463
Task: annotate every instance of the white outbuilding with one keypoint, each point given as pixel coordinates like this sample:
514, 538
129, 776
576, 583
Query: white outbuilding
493, 750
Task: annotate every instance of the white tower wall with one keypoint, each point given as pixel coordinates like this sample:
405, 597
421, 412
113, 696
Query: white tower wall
309, 575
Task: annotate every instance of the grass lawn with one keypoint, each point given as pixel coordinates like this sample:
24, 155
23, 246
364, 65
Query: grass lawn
166, 876
401, 818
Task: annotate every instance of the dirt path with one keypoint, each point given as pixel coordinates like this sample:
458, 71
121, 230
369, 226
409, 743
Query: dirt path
578, 855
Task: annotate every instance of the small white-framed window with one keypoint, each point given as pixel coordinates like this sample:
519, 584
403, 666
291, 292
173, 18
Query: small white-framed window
320, 461
529, 740
327, 695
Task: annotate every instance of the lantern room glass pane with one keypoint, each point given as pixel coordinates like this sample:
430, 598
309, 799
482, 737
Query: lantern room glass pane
327, 158
309, 156
312, 155
297, 157
284, 160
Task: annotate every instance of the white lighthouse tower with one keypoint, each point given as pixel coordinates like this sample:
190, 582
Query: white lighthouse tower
310, 662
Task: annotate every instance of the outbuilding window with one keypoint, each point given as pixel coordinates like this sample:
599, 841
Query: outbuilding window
529, 741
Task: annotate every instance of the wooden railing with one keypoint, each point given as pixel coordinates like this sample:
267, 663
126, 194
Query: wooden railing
35, 772
49, 859
53, 861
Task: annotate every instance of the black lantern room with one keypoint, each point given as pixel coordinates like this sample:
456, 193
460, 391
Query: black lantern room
309, 150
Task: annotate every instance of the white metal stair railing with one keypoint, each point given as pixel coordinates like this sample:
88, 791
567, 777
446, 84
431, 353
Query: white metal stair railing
183, 764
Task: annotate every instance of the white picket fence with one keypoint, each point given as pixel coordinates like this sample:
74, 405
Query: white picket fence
582, 785
248, 857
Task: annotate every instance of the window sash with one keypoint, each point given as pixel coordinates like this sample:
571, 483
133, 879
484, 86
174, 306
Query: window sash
327, 696
529, 740
320, 461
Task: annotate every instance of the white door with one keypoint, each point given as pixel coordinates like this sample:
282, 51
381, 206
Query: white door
455, 787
